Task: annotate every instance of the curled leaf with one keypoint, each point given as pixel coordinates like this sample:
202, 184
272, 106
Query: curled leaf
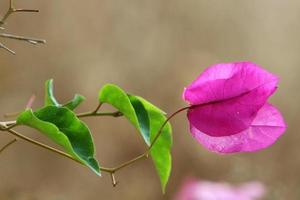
147, 119
63, 127
50, 99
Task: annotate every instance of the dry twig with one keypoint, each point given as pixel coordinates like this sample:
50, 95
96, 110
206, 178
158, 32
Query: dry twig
8, 13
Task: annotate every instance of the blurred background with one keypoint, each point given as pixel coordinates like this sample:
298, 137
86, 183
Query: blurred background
152, 49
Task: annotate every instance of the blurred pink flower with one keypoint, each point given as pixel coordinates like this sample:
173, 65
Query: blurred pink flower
206, 190
229, 110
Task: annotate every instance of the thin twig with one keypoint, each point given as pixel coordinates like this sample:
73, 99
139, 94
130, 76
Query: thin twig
95, 113
113, 179
23, 137
127, 163
7, 145
32, 141
147, 152
79, 115
4, 125
98, 107
12, 10
92, 114
7, 49
22, 38
13, 132
163, 125
25, 10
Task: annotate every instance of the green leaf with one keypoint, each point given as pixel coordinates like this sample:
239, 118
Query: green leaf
50, 100
74, 103
63, 127
161, 150
49, 96
115, 96
142, 116
147, 119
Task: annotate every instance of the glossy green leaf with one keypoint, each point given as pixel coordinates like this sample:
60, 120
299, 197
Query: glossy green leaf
142, 116
50, 99
63, 127
147, 119
74, 103
116, 97
161, 151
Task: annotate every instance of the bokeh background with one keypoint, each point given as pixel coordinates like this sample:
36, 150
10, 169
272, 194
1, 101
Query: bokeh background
152, 49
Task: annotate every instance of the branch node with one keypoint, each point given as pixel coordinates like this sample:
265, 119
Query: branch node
118, 114
12, 10
97, 108
9, 12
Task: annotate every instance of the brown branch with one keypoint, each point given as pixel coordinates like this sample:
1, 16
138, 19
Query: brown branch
2, 46
113, 179
7, 145
12, 10
23, 38
8, 13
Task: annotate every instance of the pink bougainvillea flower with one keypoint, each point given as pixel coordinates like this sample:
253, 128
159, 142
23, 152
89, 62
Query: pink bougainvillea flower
229, 110
206, 190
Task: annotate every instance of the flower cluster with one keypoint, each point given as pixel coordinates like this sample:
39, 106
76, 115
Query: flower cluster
229, 110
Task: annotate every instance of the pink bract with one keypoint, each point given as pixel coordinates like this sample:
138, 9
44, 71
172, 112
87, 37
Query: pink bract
229, 110
207, 190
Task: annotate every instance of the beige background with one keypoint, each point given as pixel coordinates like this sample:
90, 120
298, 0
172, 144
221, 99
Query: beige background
153, 49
